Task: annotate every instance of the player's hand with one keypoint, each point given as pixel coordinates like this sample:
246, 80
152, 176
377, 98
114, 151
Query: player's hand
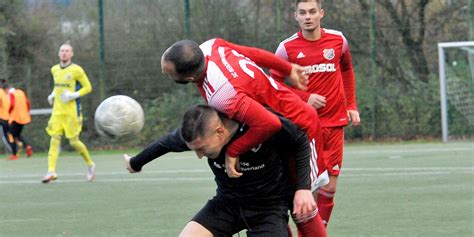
231, 166
51, 98
127, 158
353, 116
67, 96
298, 77
317, 101
303, 203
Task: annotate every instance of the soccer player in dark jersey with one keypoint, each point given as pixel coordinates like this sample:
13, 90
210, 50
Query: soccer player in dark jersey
259, 200
327, 60
230, 79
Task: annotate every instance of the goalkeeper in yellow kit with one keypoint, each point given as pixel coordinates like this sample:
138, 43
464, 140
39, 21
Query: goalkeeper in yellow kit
70, 83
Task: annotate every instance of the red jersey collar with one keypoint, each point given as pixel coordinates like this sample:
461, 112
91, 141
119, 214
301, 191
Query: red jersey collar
204, 74
300, 34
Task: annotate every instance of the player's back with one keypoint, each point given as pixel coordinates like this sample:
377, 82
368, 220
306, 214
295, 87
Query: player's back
4, 105
231, 76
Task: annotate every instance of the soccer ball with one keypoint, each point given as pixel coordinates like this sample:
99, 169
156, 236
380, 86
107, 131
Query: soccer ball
119, 117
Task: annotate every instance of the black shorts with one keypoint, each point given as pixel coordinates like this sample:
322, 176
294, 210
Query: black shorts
225, 218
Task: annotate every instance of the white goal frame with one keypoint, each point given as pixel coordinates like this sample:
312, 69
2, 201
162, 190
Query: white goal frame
442, 82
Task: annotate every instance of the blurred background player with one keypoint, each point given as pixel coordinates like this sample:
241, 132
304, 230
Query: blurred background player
7, 137
70, 83
259, 200
331, 86
19, 117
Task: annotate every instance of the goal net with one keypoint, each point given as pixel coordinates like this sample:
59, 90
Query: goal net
456, 75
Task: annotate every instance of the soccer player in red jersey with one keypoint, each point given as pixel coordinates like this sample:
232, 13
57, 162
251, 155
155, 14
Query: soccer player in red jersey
327, 60
230, 81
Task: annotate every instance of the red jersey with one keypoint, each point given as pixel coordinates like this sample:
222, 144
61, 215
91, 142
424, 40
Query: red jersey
235, 85
329, 65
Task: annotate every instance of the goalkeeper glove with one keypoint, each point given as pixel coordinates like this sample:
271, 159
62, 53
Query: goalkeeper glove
51, 98
67, 96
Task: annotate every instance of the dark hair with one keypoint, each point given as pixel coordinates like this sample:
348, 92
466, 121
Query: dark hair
195, 122
4, 84
186, 56
317, 1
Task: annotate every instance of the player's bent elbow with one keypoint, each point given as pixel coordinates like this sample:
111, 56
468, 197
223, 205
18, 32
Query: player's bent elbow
274, 125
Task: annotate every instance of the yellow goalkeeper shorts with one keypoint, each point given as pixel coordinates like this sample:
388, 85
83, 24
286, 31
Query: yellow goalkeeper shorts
58, 125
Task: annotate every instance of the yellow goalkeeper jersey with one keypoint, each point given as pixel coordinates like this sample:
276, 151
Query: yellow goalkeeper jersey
71, 78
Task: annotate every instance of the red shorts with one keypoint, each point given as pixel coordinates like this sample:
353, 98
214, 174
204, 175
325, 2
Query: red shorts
333, 148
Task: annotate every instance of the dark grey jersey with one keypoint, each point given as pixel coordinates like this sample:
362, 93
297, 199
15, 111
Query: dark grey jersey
265, 168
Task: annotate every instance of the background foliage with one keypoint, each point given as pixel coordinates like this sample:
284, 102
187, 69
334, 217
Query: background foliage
397, 100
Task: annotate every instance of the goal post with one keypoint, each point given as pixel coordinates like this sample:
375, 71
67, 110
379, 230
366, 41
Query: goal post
464, 105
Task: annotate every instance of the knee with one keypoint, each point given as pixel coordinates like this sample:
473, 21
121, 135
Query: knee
55, 138
73, 141
331, 186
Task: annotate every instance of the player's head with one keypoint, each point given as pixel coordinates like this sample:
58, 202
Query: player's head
4, 84
66, 52
183, 62
205, 130
308, 14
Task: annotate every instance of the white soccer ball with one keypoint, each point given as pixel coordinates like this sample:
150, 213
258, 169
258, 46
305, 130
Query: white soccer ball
119, 117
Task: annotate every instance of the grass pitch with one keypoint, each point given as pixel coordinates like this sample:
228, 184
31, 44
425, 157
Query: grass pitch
384, 190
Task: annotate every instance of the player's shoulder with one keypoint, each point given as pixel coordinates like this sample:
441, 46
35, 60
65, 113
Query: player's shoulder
333, 33
206, 47
55, 67
74, 66
290, 39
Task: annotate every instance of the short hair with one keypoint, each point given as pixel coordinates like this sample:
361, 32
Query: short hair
317, 2
186, 56
4, 84
68, 43
196, 122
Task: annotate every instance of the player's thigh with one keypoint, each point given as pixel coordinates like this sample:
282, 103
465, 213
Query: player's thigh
15, 129
55, 126
194, 229
333, 149
271, 222
72, 126
219, 217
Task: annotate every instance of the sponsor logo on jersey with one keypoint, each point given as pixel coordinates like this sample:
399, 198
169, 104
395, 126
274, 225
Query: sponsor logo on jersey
255, 149
329, 54
61, 85
217, 165
323, 67
301, 55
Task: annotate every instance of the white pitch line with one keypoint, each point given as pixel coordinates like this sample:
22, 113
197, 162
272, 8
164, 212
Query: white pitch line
198, 179
408, 150
100, 180
197, 171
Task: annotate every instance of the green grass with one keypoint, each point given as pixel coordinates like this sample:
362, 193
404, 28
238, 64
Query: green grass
384, 190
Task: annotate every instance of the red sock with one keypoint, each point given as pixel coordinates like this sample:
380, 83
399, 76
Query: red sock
312, 228
325, 202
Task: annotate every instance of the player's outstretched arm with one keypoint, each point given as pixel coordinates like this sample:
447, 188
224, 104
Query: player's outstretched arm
172, 142
126, 159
